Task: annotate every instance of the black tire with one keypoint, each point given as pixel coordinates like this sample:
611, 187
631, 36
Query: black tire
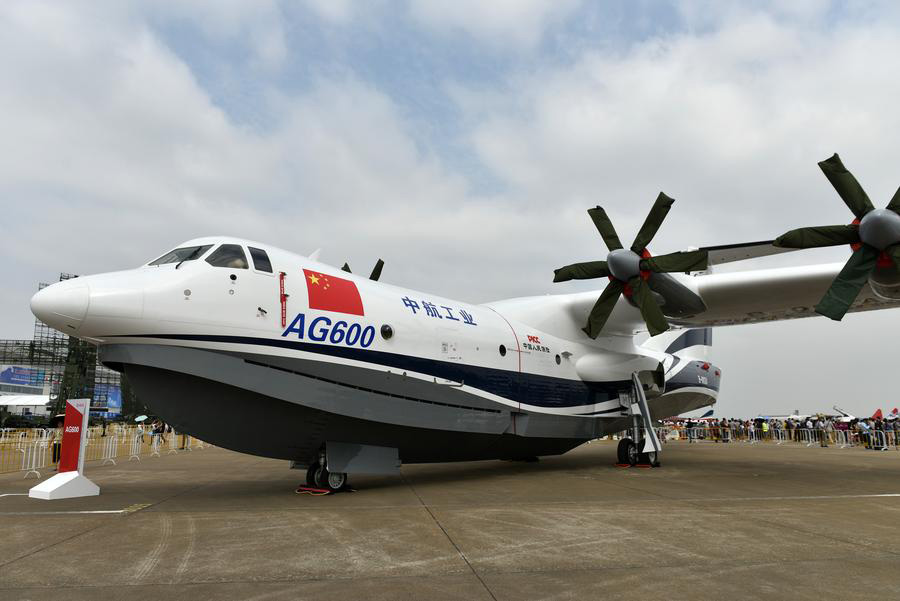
622, 450
631, 453
650, 458
311, 474
332, 481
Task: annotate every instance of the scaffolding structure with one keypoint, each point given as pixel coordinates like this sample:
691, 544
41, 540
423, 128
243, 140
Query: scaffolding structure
59, 365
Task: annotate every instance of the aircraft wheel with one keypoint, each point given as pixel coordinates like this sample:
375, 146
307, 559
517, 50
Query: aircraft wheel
311, 474
333, 481
622, 450
631, 453
650, 458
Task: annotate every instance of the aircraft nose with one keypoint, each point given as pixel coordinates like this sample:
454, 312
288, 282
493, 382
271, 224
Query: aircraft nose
62, 306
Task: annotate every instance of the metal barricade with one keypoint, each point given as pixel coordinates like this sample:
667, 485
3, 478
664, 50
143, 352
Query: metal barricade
843, 439
805, 437
173, 442
155, 442
34, 453
136, 443
780, 436
879, 441
725, 433
110, 450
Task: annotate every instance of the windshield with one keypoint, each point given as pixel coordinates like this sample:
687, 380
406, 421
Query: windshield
228, 255
188, 253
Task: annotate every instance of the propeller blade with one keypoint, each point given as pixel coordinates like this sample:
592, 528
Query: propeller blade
652, 222
376, 271
846, 185
815, 237
690, 260
346, 268
848, 283
603, 308
650, 311
894, 205
605, 227
581, 271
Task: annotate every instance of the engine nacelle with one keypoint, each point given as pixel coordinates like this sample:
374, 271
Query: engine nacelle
886, 288
885, 283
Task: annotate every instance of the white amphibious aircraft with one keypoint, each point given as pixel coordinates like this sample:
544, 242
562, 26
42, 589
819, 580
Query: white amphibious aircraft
271, 353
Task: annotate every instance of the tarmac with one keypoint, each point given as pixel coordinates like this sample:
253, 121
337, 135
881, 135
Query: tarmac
716, 521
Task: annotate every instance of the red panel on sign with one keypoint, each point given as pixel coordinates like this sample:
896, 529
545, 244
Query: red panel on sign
71, 439
331, 293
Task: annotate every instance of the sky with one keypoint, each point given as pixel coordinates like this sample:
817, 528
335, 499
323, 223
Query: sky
462, 142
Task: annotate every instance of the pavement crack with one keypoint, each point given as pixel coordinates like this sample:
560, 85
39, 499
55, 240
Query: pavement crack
449, 538
51, 545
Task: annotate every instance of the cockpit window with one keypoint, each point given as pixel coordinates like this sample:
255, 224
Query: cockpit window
228, 255
179, 255
260, 259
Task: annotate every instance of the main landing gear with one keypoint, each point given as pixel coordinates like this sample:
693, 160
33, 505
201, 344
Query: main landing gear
317, 475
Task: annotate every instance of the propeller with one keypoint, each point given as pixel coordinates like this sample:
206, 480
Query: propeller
376, 271
874, 236
629, 270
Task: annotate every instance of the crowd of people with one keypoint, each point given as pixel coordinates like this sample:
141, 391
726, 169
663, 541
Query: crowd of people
872, 433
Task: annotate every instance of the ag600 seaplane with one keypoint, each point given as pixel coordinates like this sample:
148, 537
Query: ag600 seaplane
267, 352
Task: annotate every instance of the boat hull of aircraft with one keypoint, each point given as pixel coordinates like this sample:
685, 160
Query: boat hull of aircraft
289, 408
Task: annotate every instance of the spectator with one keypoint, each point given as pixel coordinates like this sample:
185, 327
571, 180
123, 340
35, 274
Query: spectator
57, 440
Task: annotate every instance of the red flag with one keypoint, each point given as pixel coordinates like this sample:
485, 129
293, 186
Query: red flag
877, 415
331, 293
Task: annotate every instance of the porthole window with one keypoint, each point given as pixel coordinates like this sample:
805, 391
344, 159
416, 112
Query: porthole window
558, 359
502, 350
387, 331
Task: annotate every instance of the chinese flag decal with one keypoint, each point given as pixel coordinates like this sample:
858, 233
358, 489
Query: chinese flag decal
331, 293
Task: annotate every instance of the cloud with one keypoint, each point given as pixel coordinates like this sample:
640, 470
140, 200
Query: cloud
499, 24
109, 137
258, 26
336, 11
730, 122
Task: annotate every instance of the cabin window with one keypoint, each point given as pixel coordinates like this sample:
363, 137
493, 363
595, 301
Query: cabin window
260, 259
188, 253
228, 255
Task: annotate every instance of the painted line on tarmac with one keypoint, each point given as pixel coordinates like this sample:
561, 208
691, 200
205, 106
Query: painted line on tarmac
14, 494
129, 509
803, 498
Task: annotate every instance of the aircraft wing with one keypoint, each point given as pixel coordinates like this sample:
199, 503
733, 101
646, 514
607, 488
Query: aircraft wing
770, 295
729, 253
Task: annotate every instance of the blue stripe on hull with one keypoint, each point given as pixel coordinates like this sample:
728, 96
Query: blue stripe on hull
531, 389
